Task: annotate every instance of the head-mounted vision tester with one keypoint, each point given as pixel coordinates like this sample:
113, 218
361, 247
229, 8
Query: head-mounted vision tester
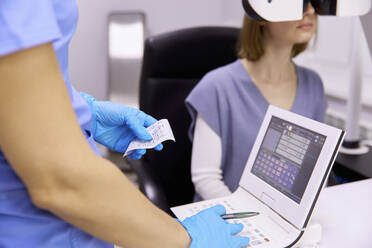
291, 10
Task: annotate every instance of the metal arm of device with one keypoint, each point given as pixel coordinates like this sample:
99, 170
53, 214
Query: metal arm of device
353, 144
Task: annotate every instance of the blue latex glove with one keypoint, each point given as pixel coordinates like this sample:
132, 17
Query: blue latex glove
115, 125
208, 229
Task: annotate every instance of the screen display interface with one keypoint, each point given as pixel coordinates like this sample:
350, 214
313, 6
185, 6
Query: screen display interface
287, 157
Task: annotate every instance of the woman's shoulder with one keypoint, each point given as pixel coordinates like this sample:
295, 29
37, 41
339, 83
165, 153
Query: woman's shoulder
221, 74
216, 83
311, 80
309, 74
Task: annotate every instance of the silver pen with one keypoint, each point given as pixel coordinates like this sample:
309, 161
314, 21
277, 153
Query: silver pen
239, 215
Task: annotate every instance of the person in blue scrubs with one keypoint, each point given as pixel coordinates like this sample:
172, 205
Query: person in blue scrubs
55, 189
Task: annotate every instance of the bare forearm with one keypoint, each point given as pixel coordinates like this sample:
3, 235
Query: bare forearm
43, 142
104, 203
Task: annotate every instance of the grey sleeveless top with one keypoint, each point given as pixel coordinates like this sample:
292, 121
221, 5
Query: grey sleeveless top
228, 100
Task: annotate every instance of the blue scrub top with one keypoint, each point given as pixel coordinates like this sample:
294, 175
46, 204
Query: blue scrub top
25, 24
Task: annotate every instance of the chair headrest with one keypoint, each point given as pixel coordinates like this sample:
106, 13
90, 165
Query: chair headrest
189, 53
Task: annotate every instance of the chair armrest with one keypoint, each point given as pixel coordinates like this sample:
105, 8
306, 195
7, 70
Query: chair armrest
150, 185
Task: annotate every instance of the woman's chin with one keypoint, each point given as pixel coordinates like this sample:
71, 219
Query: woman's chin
304, 38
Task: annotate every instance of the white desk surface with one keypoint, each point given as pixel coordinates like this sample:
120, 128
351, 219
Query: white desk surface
345, 213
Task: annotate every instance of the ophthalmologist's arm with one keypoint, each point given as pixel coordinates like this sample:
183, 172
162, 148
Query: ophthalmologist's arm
41, 138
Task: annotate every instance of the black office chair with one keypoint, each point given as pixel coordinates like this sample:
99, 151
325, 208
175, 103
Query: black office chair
173, 64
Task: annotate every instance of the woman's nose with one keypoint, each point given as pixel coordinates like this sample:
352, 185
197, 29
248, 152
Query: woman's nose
310, 10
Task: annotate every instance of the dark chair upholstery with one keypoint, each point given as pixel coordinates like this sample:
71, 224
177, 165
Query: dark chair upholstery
173, 64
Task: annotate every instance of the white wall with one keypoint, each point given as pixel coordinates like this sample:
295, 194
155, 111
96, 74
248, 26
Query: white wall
232, 12
88, 53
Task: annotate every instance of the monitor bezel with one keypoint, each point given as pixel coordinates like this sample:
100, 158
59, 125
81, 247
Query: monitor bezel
296, 214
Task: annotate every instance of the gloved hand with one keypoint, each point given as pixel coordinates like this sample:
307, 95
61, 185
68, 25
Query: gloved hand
208, 229
115, 125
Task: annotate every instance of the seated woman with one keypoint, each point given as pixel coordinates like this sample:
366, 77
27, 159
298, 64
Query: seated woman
229, 103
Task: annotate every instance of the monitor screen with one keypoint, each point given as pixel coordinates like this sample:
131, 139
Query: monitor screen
287, 157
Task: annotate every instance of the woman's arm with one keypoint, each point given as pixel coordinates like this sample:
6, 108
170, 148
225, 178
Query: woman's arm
206, 162
42, 140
